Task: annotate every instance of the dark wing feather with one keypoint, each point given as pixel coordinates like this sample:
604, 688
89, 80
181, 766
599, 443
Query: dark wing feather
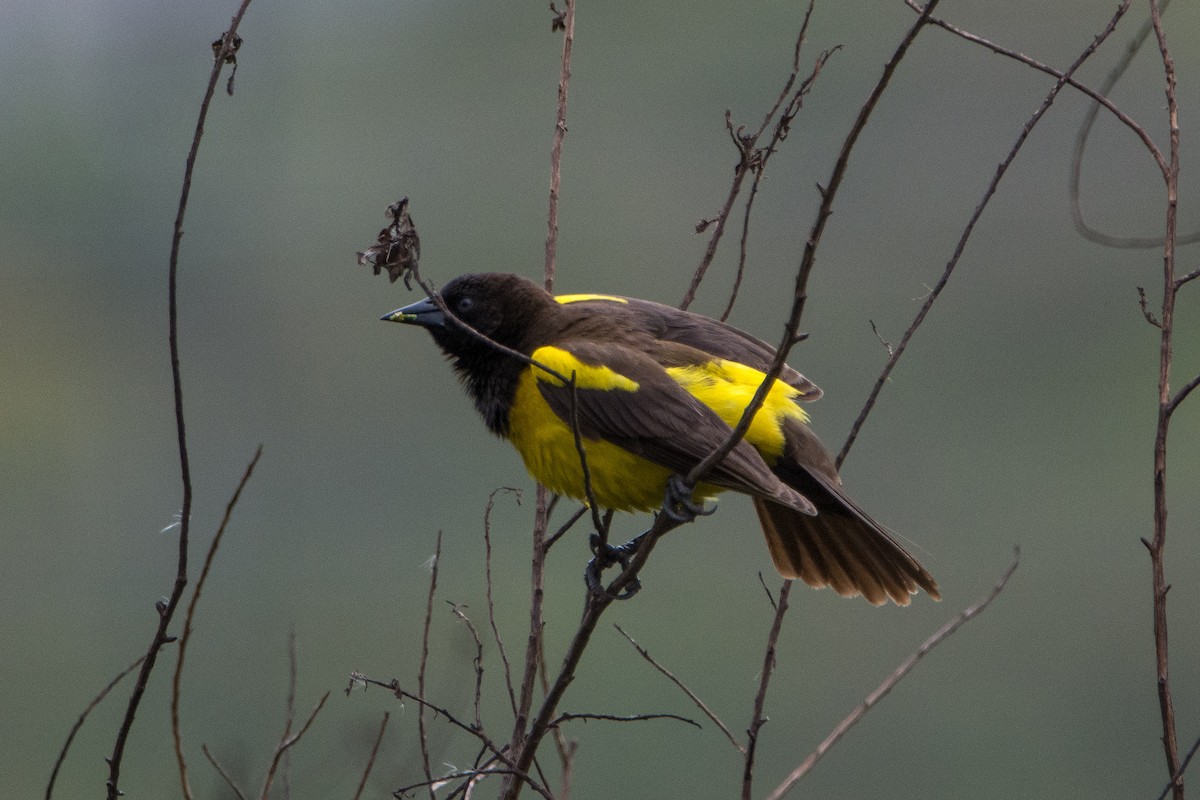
661, 422
717, 339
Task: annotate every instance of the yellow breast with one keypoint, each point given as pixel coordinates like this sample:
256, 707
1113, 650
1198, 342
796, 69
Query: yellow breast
619, 479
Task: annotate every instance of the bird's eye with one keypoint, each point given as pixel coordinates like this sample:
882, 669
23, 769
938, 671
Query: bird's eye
464, 305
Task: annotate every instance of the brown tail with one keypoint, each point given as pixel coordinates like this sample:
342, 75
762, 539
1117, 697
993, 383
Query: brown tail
840, 547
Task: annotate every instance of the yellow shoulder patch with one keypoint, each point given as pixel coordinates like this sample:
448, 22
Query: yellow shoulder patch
587, 376
578, 298
727, 387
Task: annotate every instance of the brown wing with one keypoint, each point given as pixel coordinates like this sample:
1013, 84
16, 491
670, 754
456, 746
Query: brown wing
703, 333
661, 422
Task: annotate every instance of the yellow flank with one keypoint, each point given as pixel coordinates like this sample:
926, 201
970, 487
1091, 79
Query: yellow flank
577, 298
727, 387
620, 480
586, 375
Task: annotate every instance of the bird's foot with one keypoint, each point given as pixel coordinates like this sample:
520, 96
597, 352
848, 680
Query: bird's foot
678, 504
608, 555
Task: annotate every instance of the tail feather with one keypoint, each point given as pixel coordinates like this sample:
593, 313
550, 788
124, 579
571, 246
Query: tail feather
841, 547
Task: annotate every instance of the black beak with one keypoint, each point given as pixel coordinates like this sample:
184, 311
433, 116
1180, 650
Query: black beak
423, 312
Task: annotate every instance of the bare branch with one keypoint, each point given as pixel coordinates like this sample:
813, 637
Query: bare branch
286, 742
890, 682
457, 610
683, 687
1182, 769
566, 22
757, 718
221, 771
62, 754
1182, 394
423, 733
189, 617
371, 759
561, 718
932, 297
229, 41
491, 605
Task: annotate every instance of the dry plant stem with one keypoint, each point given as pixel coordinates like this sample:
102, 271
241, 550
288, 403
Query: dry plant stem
1099, 96
594, 607
1157, 545
458, 612
746, 150
960, 247
189, 617
491, 605
534, 643
233, 787
890, 682
394, 687
622, 718
560, 130
160, 638
700, 704
362, 784
1182, 769
757, 719
807, 261
285, 744
422, 731
62, 754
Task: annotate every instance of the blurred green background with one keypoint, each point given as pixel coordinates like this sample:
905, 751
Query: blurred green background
1023, 413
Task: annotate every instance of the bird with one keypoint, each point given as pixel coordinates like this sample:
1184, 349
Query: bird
652, 390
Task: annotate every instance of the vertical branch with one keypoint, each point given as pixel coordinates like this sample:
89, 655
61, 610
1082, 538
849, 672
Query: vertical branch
422, 732
1157, 546
189, 616
757, 718
564, 21
224, 51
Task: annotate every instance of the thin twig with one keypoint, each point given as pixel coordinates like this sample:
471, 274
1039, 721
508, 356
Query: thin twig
1182, 769
422, 732
808, 259
561, 718
890, 682
567, 21
491, 604
747, 155
683, 687
221, 771
757, 718
62, 754
457, 610
189, 617
445, 713
960, 247
362, 784
566, 526
1183, 392
519, 742
285, 744
222, 55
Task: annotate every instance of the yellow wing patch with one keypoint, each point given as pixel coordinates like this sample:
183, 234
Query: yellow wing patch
587, 376
727, 387
579, 298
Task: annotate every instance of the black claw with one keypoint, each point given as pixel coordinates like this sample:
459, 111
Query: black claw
609, 555
678, 504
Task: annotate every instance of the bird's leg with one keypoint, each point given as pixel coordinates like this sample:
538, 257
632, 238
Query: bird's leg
608, 555
678, 504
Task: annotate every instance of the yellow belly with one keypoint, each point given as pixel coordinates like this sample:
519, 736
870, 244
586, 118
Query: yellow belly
620, 480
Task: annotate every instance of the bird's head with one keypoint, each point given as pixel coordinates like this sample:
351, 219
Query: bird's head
502, 307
